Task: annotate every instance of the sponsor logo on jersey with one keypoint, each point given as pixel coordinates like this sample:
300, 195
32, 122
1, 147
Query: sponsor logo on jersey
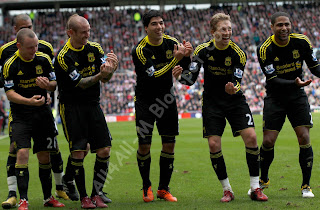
76, 64
238, 73
211, 58
169, 54
150, 71
153, 57
39, 69
276, 59
227, 61
296, 54
20, 73
269, 69
91, 57
74, 75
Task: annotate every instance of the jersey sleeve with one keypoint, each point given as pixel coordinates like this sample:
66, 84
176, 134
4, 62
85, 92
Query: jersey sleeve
66, 65
266, 63
50, 70
8, 76
310, 58
238, 70
190, 74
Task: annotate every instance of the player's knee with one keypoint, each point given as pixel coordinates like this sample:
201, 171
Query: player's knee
77, 154
304, 138
144, 149
251, 140
168, 147
43, 157
23, 154
103, 152
214, 143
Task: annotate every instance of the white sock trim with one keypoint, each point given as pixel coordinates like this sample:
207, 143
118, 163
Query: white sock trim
58, 178
12, 183
254, 182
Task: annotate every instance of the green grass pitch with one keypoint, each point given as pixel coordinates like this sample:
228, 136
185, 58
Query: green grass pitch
193, 182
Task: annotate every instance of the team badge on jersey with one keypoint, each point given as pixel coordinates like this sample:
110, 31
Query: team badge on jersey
74, 75
269, 69
91, 57
39, 69
238, 73
169, 54
296, 54
150, 71
227, 61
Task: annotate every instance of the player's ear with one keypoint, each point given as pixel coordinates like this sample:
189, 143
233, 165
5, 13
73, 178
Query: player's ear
18, 45
212, 32
70, 32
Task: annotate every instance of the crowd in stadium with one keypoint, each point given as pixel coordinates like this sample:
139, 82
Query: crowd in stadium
117, 30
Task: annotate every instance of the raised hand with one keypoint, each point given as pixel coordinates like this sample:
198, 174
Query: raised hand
179, 51
230, 89
42, 82
301, 83
188, 48
176, 71
111, 57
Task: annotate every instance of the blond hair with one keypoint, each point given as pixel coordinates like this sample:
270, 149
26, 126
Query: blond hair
217, 18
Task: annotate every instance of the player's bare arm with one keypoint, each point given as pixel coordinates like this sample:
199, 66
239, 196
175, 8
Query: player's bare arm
36, 100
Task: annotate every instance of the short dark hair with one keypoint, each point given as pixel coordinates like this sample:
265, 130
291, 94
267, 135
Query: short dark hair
278, 14
150, 14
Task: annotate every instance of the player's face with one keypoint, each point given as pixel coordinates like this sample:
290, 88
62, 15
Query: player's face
28, 48
23, 24
223, 33
81, 35
281, 29
155, 29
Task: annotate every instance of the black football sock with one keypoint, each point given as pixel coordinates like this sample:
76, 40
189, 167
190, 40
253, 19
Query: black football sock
166, 169
266, 158
252, 156
69, 175
100, 174
144, 162
79, 176
22, 174
306, 162
219, 165
45, 179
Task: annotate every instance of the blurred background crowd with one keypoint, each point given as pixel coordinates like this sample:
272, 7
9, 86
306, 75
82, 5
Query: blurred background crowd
117, 30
